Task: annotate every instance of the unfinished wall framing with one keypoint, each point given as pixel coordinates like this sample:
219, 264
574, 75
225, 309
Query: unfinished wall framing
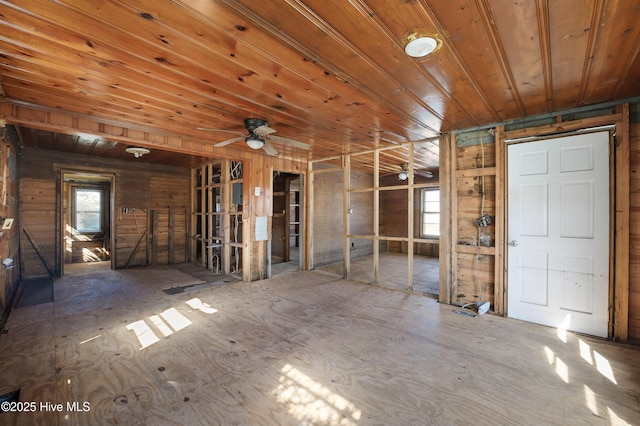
217, 230
468, 260
473, 262
379, 211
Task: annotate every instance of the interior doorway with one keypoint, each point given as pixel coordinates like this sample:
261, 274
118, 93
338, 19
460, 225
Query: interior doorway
559, 232
287, 225
86, 200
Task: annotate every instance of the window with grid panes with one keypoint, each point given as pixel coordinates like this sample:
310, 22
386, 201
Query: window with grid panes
430, 211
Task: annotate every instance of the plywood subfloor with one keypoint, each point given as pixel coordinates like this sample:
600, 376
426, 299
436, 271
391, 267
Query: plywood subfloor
392, 272
302, 348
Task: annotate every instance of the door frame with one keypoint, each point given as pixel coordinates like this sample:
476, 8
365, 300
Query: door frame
302, 221
619, 205
101, 176
610, 129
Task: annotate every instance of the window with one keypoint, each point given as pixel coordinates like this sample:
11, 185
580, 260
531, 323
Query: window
430, 211
88, 210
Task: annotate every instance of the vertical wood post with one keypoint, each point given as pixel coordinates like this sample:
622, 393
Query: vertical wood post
226, 217
410, 221
346, 225
500, 223
287, 219
171, 254
448, 221
376, 216
310, 209
203, 221
622, 223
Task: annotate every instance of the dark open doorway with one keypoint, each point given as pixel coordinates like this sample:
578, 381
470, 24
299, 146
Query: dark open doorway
287, 226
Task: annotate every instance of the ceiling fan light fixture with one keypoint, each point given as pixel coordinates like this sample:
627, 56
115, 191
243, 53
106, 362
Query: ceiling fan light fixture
403, 175
255, 142
419, 46
137, 151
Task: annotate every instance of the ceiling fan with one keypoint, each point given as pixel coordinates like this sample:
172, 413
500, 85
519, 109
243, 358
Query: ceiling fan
404, 172
260, 135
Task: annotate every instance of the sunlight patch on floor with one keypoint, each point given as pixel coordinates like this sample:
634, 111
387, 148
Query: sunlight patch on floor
196, 303
145, 335
167, 322
312, 402
591, 357
604, 367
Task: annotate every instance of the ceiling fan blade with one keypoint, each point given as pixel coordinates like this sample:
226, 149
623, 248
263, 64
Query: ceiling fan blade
212, 129
229, 141
291, 142
423, 173
269, 149
263, 130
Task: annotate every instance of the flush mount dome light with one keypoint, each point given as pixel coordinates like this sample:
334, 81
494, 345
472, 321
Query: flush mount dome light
419, 46
137, 151
255, 142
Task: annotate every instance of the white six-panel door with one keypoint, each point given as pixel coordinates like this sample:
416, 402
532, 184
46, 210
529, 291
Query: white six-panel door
558, 233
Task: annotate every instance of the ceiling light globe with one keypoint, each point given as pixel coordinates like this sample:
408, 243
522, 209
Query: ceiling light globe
420, 47
403, 175
255, 143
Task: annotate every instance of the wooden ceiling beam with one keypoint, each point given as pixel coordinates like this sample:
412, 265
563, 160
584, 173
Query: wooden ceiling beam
56, 121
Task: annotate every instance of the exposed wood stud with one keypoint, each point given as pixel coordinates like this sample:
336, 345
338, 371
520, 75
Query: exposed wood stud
376, 217
500, 224
410, 220
622, 220
346, 249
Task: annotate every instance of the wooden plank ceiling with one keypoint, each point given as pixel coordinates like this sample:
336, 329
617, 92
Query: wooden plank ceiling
329, 73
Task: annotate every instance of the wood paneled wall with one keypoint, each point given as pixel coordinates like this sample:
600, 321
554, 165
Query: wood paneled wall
634, 234
9, 239
38, 237
156, 199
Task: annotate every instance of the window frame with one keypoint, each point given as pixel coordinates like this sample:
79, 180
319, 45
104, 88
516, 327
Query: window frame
74, 213
423, 193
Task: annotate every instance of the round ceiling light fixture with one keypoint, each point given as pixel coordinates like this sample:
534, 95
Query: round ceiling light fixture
255, 142
137, 151
419, 46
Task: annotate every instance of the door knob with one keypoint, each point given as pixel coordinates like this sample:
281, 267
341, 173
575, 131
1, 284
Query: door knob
513, 243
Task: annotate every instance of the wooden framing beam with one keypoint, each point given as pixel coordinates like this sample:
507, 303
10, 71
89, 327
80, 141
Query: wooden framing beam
562, 127
65, 122
309, 222
410, 221
346, 225
203, 222
447, 231
226, 217
622, 226
248, 212
449, 226
376, 216
500, 224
